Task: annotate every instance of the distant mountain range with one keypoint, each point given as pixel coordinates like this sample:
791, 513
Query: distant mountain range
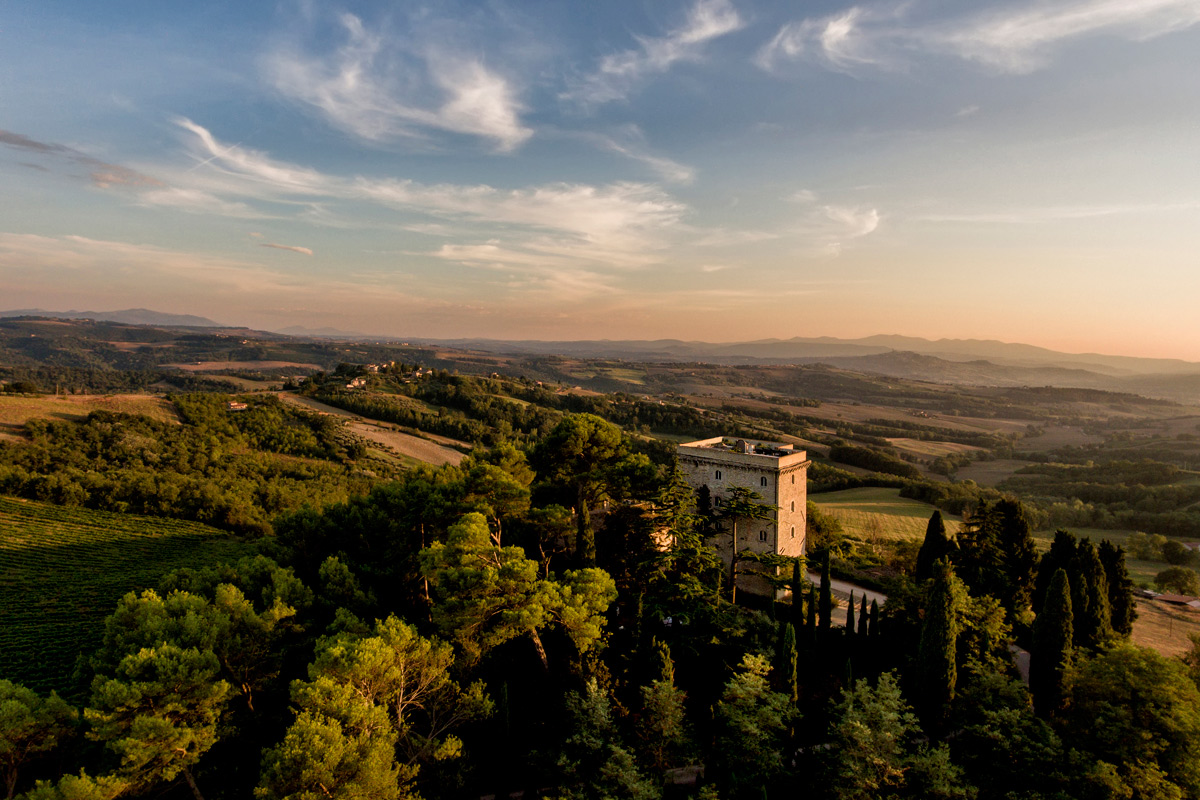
130, 316
331, 333
826, 349
954, 361
975, 362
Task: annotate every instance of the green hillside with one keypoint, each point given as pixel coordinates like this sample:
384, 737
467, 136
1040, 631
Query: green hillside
63, 569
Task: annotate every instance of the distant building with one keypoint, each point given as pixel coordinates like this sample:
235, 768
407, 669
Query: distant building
778, 472
234, 405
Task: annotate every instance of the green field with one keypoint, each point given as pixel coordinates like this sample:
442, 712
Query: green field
873, 513
62, 571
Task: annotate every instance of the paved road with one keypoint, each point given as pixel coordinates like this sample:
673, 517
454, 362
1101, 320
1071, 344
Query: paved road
842, 589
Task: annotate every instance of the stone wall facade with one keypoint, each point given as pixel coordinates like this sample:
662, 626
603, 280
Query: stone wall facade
776, 471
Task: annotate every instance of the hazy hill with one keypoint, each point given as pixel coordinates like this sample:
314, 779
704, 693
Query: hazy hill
798, 350
130, 316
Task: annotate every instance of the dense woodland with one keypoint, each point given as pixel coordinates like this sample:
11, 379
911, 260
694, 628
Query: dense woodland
553, 618
551, 615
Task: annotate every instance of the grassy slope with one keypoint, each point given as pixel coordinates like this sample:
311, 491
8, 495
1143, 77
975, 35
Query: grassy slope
16, 410
63, 569
880, 513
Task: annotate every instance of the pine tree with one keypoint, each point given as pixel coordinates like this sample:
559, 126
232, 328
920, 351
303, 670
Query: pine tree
938, 649
1052, 647
1120, 588
937, 545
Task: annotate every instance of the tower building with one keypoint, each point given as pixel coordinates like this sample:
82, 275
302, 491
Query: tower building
777, 472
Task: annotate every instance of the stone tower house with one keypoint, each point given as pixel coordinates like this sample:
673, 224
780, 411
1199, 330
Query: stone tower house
778, 472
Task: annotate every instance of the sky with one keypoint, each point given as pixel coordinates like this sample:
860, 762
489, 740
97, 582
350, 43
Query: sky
716, 170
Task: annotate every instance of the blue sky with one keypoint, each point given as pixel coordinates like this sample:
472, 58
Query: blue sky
712, 169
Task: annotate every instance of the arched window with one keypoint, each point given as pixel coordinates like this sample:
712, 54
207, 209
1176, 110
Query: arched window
762, 536
793, 531
762, 481
793, 505
793, 477
718, 474
717, 501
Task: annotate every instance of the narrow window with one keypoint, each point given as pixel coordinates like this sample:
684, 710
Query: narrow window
762, 481
718, 474
793, 531
762, 536
793, 477
717, 501
793, 505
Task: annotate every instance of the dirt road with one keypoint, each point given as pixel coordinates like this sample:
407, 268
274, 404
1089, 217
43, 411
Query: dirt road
383, 433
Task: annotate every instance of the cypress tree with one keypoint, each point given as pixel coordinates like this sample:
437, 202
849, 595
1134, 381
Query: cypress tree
825, 600
1120, 588
850, 614
862, 618
798, 584
937, 545
938, 649
998, 556
786, 662
1093, 623
810, 607
1061, 555
810, 614
873, 626
1052, 638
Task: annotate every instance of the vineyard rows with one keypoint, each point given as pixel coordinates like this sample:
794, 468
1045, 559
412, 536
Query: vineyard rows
62, 571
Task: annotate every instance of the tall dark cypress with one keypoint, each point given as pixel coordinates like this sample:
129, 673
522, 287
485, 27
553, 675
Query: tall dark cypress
937, 545
1052, 647
825, 600
938, 648
1120, 588
998, 556
1061, 555
873, 626
798, 584
784, 671
862, 618
850, 614
1093, 623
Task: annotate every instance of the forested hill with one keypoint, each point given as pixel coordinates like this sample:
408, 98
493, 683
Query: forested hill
554, 619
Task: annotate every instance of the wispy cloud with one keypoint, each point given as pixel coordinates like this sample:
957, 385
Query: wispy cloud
847, 223
619, 73
304, 250
571, 227
102, 174
1008, 38
629, 142
379, 88
1049, 214
195, 201
1017, 40
842, 41
855, 221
